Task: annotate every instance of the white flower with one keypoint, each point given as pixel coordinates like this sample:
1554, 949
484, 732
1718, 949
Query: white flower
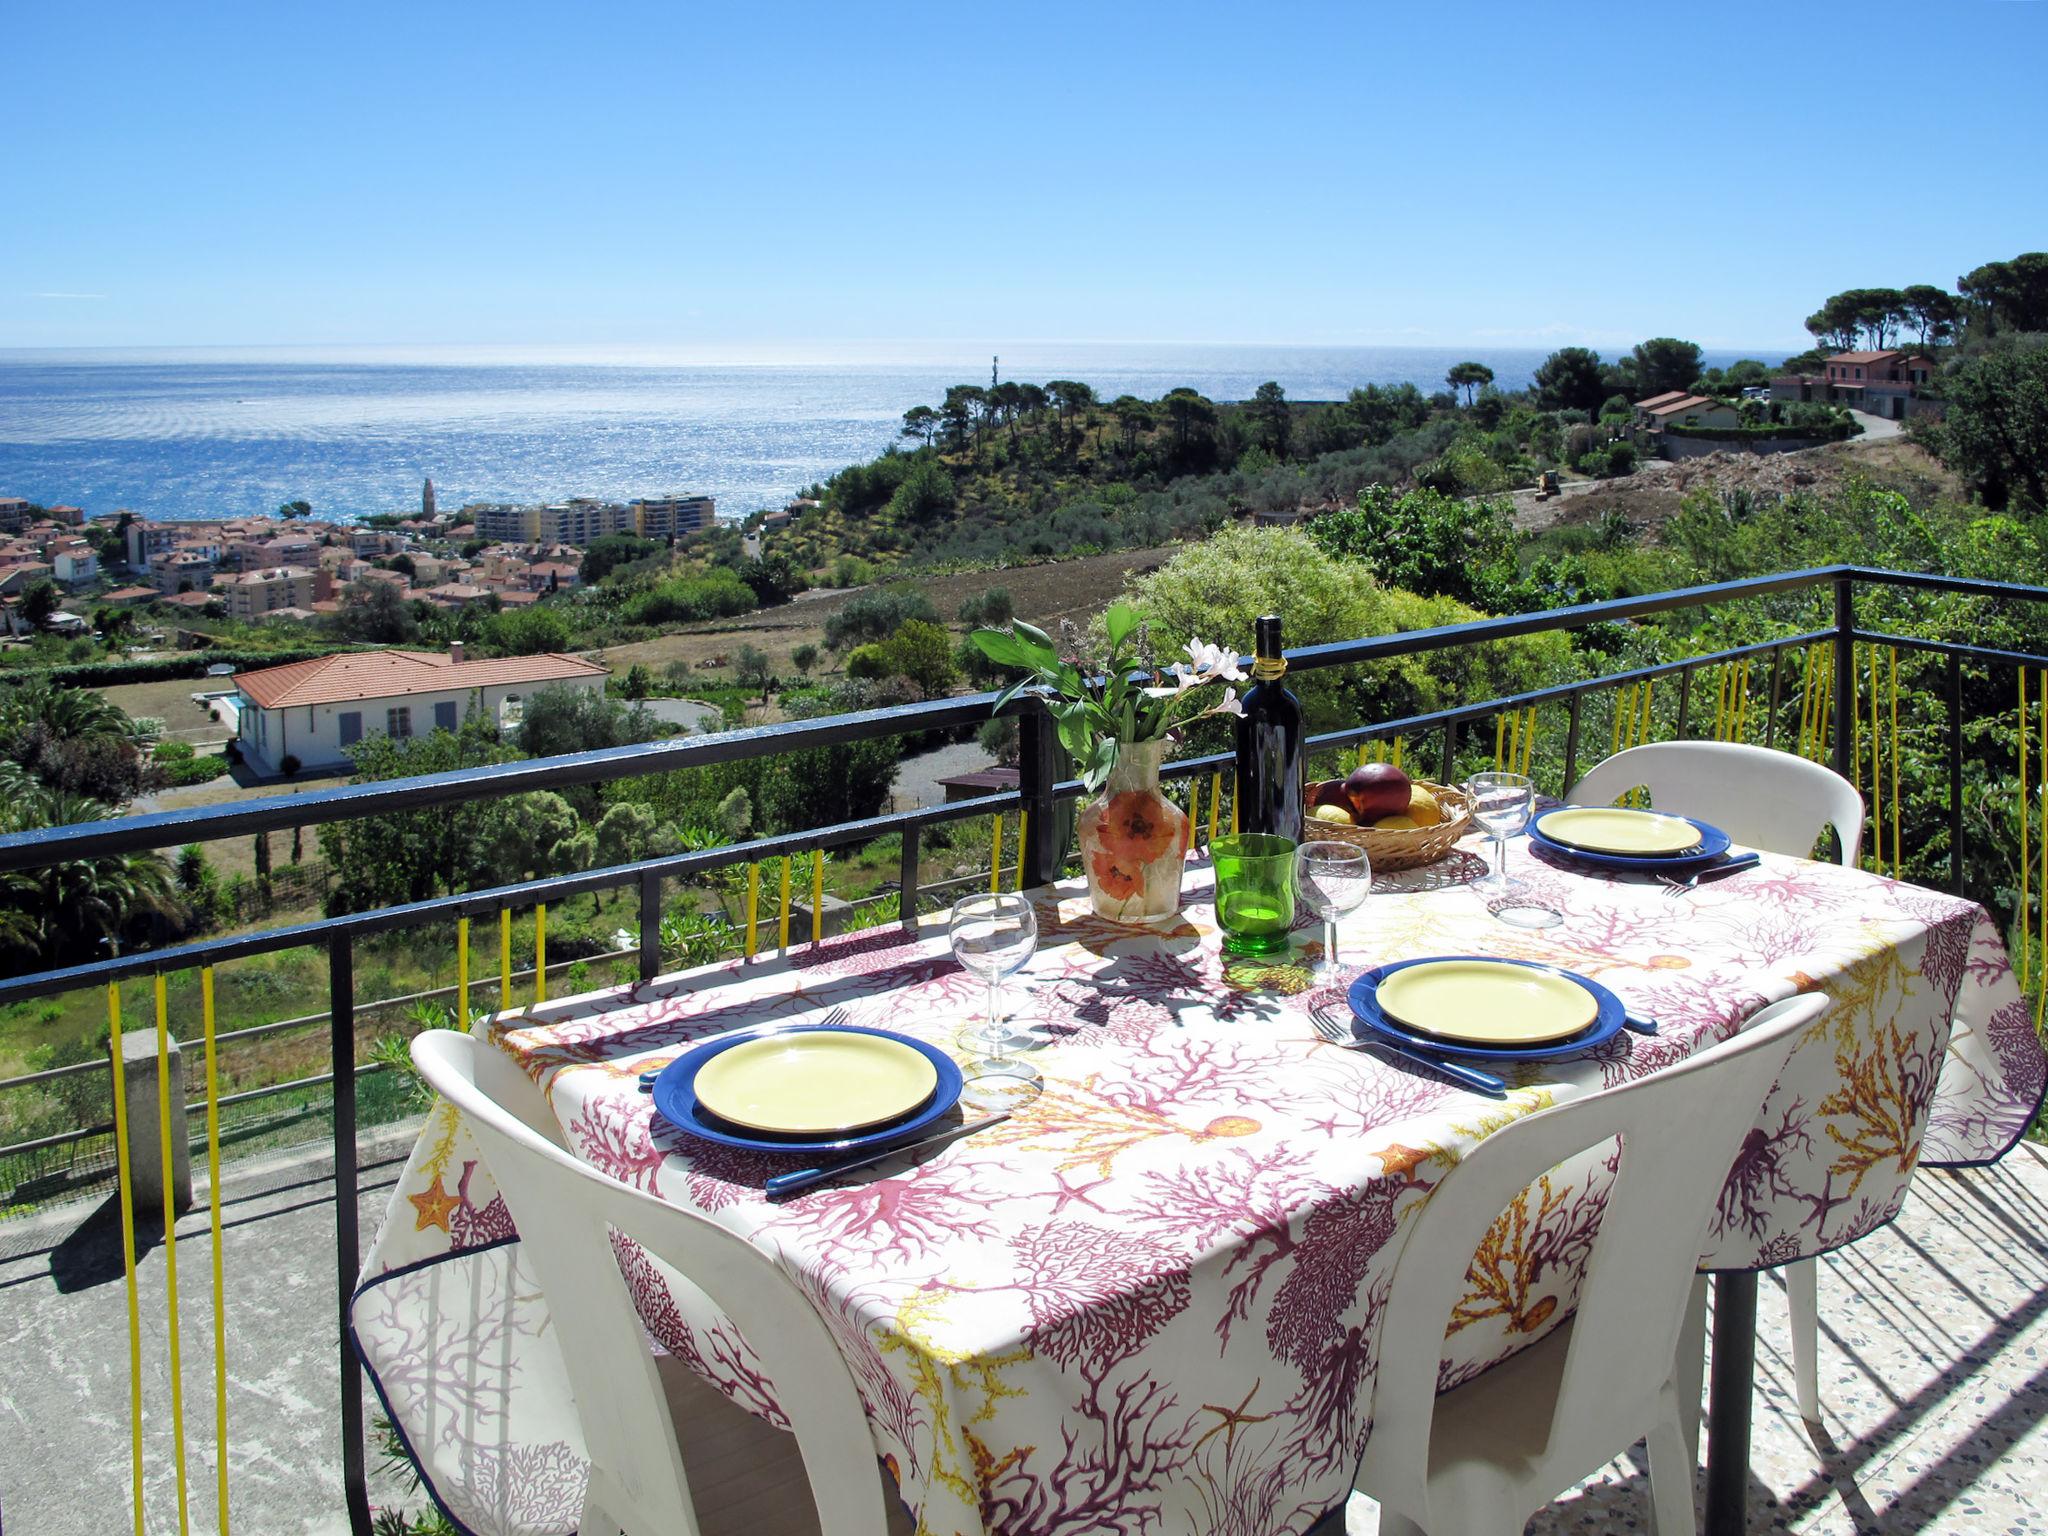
1214, 663
1231, 705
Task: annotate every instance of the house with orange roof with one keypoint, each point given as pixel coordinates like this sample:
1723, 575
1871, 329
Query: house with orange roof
1681, 408
1891, 384
312, 712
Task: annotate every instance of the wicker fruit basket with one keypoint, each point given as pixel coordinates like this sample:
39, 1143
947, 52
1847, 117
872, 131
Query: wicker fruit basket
1403, 848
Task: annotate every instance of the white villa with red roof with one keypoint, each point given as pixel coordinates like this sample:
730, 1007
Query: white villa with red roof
316, 710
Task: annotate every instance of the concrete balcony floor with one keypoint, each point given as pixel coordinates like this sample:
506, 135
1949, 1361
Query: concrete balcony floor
1934, 1373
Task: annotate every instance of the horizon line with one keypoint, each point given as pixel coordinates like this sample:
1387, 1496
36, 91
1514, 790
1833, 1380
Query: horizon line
833, 350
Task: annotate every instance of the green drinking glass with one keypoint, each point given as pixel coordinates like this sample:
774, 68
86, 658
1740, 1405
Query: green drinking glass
1254, 891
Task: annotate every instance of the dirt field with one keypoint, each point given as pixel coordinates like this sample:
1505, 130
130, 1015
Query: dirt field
1044, 594
1654, 492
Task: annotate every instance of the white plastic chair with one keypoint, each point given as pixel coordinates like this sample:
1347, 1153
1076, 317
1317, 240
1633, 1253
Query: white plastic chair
1480, 1459
1760, 797
1763, 799
566, 1211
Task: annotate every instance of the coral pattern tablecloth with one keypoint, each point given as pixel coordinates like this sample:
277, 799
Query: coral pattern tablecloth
1149, 1304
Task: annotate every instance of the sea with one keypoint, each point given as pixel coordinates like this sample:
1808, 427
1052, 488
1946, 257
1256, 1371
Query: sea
219, 432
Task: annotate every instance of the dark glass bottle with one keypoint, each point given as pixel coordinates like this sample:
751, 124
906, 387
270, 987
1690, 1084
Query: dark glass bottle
1269, 781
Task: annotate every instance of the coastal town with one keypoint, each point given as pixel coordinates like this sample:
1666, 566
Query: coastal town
296, 566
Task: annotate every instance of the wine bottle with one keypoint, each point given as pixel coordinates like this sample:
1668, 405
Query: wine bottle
1269, 766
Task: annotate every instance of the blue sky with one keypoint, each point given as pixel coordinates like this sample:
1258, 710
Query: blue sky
722, 176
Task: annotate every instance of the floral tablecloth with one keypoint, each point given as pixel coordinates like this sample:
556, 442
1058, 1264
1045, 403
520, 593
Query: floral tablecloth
1149, 1303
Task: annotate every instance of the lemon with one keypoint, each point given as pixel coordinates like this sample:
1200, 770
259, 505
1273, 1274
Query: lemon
1395, 824
1335, 813
1423, 809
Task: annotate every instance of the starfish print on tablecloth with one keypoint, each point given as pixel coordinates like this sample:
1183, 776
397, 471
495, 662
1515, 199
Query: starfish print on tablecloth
1230, 1420
435, 1205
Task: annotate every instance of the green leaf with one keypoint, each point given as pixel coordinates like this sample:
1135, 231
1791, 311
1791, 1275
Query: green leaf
1119, 621
1036, 637
1009, 650
1100, 759
1010, 693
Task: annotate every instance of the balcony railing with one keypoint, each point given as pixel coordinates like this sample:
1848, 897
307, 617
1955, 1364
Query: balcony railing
1817, 688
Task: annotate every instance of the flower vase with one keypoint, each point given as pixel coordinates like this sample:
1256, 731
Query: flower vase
1134, 841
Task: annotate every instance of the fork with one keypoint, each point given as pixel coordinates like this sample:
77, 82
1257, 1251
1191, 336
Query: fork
1674, 888
1339, 1034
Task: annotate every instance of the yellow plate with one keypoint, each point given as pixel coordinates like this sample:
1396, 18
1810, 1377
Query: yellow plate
1616, 829
1483, 1002
815, 1081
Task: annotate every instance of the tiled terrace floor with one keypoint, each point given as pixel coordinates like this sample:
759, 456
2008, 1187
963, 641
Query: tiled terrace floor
1934, 1373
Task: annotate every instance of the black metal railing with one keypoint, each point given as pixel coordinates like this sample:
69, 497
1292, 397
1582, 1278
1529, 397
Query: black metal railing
1042, 855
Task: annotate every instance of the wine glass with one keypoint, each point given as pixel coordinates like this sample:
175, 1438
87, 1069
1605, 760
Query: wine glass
1333, 878
1501, 803
993, 935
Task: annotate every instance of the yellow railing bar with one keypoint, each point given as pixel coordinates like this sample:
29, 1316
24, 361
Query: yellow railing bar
125, 1179
1721, 704
1806, 702
540, 953
505, 959
783, 931
1023, 827
1397, 750
1215, 800
2026, 864
1500, 735
462, 973
1821, 673
1194, 815
817, 895
753, 910
1898, 857
1649, 697
1233, 810
220, 1304
163, 1117
995, 857
1528, 744
1625, 691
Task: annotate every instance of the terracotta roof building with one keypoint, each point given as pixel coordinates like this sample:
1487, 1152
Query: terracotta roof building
314, 711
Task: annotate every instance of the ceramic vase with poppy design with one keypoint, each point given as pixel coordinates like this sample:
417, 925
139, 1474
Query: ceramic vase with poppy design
1134, 841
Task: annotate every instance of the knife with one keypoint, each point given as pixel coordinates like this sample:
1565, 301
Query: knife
785, 1184
1457, 1072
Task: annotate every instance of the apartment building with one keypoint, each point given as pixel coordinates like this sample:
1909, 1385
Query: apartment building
253, 594
75, 562
14, 513
583, 519
664, 517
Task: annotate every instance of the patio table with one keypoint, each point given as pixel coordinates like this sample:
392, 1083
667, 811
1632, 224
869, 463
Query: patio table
1149, 1303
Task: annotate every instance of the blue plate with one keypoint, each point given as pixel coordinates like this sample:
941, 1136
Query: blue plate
1713, 845
675, 1096
1365, 1009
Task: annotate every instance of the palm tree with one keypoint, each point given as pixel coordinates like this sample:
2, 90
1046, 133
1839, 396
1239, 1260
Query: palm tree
63, 912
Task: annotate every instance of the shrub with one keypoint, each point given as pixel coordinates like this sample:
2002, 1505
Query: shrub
874, 616
192, 770
108, 674
527, 631
715, 594
1217, 590
993, 608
